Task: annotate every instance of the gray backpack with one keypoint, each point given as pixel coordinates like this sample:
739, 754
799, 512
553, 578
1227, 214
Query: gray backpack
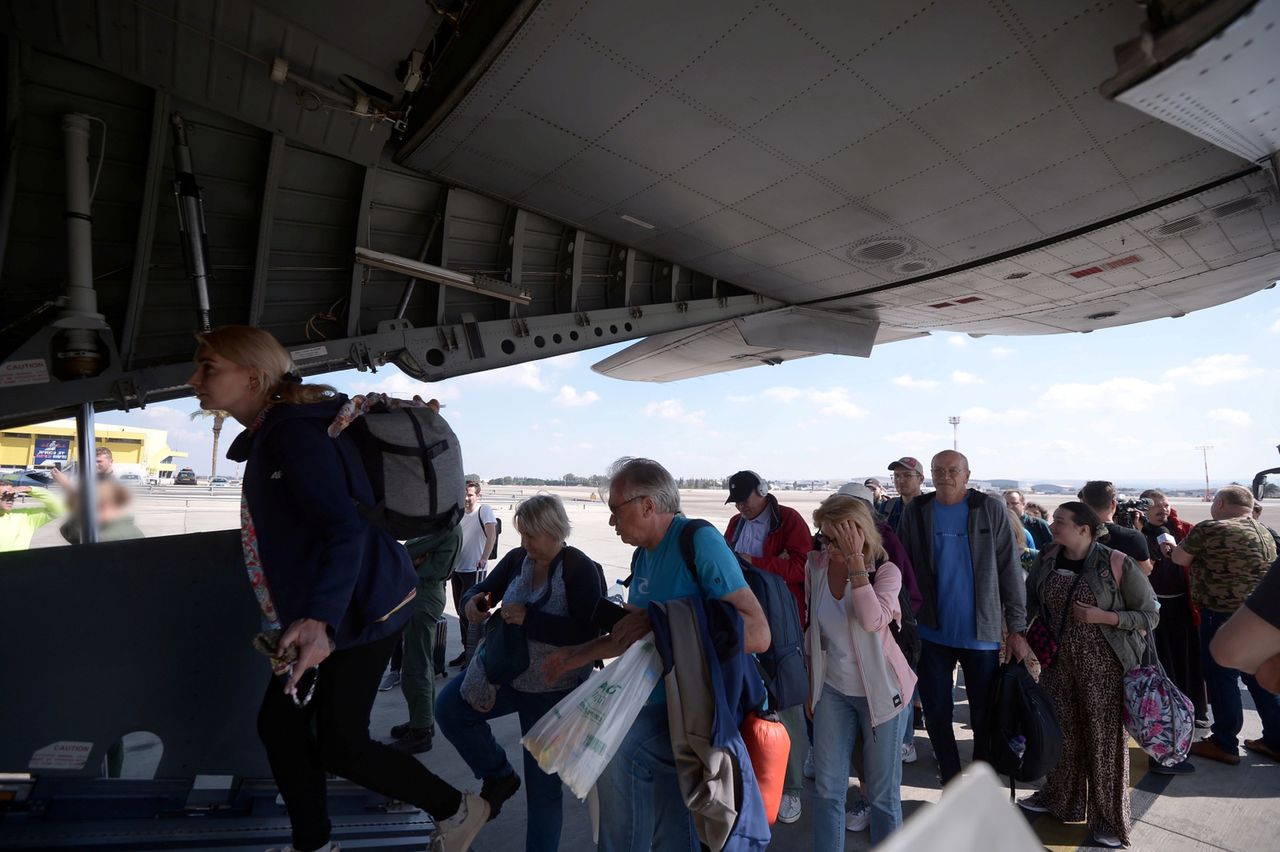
414, 463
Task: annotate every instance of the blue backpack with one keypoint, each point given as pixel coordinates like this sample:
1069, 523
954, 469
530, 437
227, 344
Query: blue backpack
782, 666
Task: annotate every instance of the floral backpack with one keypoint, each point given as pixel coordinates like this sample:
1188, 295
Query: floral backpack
1156, 713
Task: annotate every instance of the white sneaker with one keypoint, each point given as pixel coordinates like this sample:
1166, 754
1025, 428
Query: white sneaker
908, 752
456, 833
1028, 803
809, 771
789, 810
859, 817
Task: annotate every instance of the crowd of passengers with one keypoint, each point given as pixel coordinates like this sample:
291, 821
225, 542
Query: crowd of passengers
893, 595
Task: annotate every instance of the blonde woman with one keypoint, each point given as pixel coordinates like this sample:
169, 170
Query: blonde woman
860, 684
338, 588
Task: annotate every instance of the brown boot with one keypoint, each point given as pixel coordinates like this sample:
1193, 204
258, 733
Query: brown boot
1259, 747
1207, 748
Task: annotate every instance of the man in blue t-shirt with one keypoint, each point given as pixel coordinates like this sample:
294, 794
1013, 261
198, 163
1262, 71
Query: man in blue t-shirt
640, 802
967, 566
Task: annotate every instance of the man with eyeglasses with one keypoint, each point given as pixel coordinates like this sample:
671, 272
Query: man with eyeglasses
1037, 527
641, 806
967, 566
18, 524
908, 479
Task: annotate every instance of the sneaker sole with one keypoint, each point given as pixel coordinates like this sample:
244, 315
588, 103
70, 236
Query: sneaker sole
783, 819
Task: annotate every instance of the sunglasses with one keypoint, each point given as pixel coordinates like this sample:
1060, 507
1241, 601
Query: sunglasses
822, 541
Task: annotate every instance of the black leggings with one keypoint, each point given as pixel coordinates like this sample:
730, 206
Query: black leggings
340, 744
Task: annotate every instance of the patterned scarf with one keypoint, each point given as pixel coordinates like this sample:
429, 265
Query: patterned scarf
252, 559
358, 406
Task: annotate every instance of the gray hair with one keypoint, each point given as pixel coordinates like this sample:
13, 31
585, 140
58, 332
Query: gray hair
543, 514
646, 478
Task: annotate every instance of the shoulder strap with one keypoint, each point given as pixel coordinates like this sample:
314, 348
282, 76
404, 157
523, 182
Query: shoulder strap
1117, 566
687, 550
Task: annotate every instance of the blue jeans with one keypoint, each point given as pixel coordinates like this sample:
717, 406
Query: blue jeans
937, 662
909, 730
839, 721
468, 730
641, 808
1224, 692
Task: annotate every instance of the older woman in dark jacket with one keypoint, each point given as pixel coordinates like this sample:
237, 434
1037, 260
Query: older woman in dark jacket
1102, 612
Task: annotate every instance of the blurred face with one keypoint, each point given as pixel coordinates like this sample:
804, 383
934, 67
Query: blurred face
224, 385
542, 548
950, 476
473, 499
908, 482
104, 463
1067, 532
752, 506
7, 500
1016, 502
876, 488
1159, 511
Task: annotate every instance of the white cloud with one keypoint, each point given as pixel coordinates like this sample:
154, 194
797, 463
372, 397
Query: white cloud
979, 414
958, 340
960, 377
1275, 327
673, 409
1120, 394
403, 386
912, 437
1001, 351
782, 394
831, 401
907, 381
1232, 416
1214, 370
570, 398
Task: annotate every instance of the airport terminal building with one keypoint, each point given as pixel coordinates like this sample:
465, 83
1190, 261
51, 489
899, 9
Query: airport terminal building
53, 444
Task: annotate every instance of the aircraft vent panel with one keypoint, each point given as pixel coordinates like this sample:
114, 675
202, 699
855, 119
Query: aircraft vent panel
1240, 205
1234, 207
881, 250
915, 266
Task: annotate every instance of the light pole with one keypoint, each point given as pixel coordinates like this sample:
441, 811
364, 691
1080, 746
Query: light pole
955, 432
1204, 451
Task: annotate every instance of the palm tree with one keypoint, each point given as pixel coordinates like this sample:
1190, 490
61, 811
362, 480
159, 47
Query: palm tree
219, 417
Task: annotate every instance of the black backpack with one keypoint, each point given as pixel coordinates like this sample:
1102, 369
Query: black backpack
782, 666
497, 531
1021, 731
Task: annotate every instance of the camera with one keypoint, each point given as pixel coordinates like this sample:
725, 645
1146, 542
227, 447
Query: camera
1127, 511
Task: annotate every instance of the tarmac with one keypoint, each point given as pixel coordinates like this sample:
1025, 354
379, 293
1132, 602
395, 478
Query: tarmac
1217, 807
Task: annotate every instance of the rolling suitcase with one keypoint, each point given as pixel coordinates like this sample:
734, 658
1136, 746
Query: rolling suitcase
439, 645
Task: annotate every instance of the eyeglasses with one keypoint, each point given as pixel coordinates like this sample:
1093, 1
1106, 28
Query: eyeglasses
947, 471
614, 510
822, 540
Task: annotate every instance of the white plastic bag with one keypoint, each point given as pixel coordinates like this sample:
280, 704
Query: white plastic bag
579, 736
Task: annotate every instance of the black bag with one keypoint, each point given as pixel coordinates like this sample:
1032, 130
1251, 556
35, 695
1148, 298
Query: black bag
504, 653
438, 646
782, 666
497, 531
1021, 731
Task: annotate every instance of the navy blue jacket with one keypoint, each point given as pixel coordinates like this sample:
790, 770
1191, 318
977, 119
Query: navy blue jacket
321, 559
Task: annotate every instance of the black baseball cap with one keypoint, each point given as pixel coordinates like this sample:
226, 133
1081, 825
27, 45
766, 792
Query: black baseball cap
742, 484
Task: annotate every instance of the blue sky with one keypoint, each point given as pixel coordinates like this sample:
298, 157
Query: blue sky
1125, 404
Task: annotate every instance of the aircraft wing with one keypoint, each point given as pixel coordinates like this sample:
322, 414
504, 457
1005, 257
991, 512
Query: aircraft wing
760, 339
456, 190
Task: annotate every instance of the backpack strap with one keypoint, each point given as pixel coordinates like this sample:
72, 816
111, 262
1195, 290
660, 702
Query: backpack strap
687, 551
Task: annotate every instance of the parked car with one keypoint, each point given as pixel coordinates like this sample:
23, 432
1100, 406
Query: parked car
218, 482
186, 476
130, 479
28, 478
